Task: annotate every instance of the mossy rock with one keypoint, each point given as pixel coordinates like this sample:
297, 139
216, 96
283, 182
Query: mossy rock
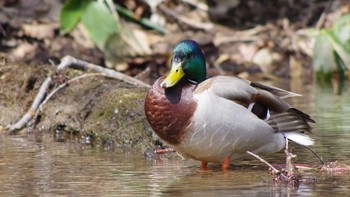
105, 112
98, 111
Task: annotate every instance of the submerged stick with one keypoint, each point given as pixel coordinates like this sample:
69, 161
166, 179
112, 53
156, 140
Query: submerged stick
267, 163
289, 157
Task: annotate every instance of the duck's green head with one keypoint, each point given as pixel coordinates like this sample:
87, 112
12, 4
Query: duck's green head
188, 62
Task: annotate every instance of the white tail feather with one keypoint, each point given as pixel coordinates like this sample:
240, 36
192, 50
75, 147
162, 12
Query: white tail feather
299, 138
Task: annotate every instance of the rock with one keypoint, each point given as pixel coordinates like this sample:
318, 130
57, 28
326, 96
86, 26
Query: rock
107, 111
103, 112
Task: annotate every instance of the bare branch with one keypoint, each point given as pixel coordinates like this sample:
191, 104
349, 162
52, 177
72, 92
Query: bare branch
69, 61
65, 85
267, 163
33, 108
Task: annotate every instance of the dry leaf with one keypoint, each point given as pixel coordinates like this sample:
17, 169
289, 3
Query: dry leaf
266, 58
247, 51
39, 31
23, 51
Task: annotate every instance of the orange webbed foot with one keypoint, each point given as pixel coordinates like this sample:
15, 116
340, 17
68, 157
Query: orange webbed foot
204, 165
226, 164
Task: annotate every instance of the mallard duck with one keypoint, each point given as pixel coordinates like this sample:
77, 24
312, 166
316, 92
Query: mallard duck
221, 118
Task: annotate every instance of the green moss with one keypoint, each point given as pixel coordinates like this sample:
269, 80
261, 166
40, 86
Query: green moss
119, 119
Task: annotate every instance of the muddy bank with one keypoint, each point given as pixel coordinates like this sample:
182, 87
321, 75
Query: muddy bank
96, 110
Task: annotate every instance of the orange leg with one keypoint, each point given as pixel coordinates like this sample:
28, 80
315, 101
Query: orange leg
204, 165
225, 164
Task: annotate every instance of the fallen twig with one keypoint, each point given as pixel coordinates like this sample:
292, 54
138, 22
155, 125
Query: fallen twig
267, 163
69, 61
33, 108
65, 84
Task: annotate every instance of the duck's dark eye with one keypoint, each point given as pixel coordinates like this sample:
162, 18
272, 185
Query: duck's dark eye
178, 58
189, 56
182, 57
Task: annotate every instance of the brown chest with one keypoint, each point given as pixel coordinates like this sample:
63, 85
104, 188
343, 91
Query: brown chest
169, 111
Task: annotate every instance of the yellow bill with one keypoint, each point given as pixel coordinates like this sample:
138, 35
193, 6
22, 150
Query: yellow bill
175, 75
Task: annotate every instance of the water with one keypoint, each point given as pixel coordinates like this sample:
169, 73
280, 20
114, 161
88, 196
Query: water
40, 165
